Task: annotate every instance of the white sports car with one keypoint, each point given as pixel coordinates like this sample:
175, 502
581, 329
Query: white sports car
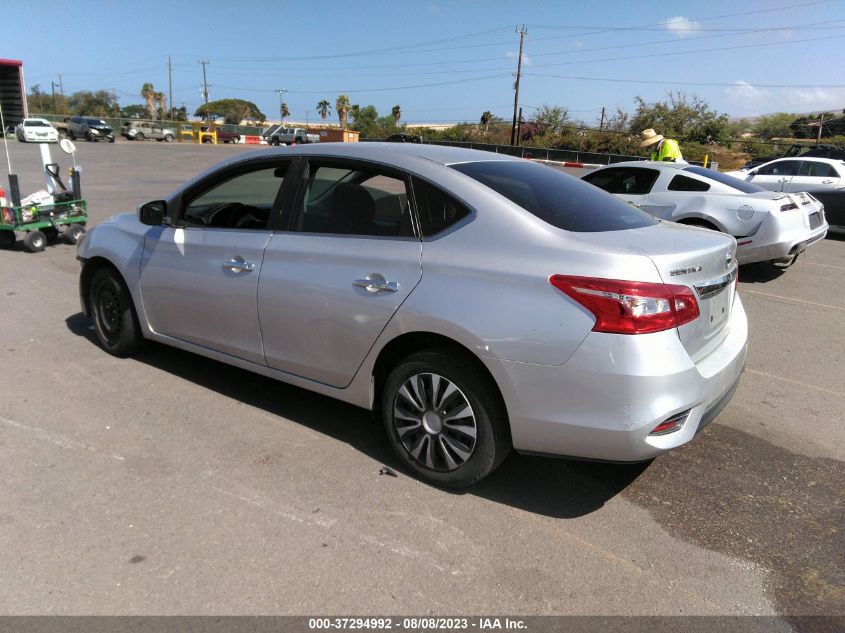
36, 131
767, 225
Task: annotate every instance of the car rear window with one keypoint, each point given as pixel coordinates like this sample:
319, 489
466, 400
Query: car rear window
556, 198
730, 181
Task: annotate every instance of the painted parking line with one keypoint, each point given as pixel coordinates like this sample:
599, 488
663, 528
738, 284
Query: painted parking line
812, 303
826, 266
796, 382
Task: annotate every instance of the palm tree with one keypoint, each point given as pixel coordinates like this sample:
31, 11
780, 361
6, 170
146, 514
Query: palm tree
161, 100
285, 110
397, 113
323, 108
486, 117
342, 107
148, 91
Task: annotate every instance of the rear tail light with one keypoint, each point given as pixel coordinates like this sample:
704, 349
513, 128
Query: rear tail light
788, 207
630, 307
670, 425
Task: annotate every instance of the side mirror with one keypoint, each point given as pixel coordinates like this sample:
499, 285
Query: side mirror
152, 213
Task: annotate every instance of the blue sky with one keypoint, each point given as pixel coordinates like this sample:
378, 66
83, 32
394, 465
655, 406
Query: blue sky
440, 60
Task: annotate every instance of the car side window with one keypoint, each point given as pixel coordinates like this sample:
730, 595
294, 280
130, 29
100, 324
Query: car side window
817, 170
243, 201
624, 180
437, 211
343, 200
684, 183
782, 168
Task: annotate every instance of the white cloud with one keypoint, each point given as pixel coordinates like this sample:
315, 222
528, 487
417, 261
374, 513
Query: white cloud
681, 26
526, 59
435, 9
744, 99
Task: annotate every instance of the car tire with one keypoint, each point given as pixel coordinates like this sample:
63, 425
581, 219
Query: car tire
139, 137
35, 241
111, 139
73, 233
420, 397
115, 320
168, 138
7, 239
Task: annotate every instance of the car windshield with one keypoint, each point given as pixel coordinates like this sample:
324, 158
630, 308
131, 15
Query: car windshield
562, 201
97, 122
730, 181
36, 123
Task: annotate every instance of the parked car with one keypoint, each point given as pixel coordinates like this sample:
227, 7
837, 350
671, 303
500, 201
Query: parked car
824, 178
140, 130
35, 130
810, 151
768, 226
89, 128
292, 135
477, 302
404, 137
223, 135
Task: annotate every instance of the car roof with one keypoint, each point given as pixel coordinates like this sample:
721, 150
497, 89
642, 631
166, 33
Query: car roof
815, 159
383, 152
651, 164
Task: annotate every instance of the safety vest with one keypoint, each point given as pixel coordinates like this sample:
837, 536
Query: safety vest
668, 151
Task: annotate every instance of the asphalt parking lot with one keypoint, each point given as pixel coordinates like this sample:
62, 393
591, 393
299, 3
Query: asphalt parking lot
171, 484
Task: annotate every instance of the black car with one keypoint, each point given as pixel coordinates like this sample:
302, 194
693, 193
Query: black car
402, 137
89, 128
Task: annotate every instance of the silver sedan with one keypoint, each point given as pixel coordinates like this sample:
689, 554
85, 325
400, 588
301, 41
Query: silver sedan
477, 303
767, 226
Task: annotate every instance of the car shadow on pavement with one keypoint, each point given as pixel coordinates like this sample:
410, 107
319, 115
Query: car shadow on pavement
569, 488
759, 273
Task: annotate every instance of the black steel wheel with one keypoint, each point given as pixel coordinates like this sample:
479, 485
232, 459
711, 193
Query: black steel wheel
115, 320
139, 137
445, 420
35, 241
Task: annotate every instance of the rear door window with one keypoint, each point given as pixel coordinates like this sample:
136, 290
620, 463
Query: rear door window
685, 183
437, 210
556, 198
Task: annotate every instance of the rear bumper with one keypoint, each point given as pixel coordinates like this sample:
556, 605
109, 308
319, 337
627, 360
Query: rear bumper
603, 403
778, 239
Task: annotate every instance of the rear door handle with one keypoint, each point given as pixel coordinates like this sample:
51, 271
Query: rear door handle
238, 265
827, 182
375, 282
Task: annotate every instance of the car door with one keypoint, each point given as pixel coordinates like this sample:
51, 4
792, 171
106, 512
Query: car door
199, 276
815, 176
334, 278
629, 184
775, 176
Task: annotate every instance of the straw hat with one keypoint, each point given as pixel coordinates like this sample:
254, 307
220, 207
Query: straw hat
650, 137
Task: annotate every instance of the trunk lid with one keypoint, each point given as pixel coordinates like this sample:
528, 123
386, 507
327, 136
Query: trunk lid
698, 258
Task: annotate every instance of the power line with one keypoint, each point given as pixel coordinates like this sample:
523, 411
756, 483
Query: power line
688, 83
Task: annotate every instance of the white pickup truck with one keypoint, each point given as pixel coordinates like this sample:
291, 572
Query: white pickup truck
290, 135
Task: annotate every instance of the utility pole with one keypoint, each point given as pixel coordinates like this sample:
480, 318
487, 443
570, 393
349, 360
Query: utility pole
519, 123
522, 33
205, 89
282, 92
170, 87
61, 86
601, 123
53, 90
819, 133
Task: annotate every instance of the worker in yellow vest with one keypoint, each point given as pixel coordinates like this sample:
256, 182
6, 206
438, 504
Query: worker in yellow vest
667, 149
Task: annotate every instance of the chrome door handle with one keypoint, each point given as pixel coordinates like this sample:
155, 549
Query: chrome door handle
238, 265
827, 182
376, 283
